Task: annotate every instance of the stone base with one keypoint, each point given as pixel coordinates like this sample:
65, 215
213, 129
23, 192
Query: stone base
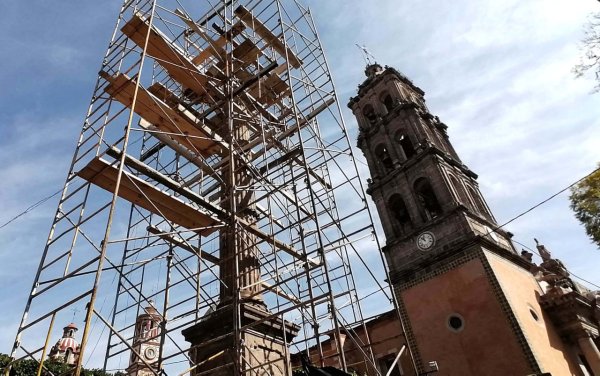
212, 343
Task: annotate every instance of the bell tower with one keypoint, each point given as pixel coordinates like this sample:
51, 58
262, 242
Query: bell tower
425, 196
146, 343
466, 297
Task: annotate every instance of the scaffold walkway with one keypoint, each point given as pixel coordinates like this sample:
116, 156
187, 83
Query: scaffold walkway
213, 180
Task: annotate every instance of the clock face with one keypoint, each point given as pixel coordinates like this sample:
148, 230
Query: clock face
425, 241
491, 233
150, 353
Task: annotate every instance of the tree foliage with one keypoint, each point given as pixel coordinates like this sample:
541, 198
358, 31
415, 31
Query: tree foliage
28, 367
585, 202
590, 60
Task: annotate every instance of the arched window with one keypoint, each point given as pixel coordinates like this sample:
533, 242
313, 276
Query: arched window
428, 202
398, 209
388, 102
458, 188
369, 113
405, 144
477, 202
383, 156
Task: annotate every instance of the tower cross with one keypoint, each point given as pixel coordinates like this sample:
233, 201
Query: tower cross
75, 310
366, 54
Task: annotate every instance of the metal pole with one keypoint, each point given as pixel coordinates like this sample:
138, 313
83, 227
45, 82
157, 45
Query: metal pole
337, 334
39, 370
90, 307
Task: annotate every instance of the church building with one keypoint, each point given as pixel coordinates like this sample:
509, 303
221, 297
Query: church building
67, 348
469, 302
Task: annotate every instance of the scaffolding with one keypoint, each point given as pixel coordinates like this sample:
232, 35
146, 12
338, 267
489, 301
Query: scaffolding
214, 182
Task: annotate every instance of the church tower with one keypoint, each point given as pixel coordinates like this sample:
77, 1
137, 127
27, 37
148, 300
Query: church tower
468, 300
67, 348
146, 343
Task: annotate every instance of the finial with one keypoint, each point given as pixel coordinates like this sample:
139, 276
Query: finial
543, 251
75, 311
367, 55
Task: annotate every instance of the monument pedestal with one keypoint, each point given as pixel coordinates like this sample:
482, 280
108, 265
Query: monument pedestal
263, 349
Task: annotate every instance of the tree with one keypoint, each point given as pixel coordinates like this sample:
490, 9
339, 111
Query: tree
28, 367
590, 60
585, 202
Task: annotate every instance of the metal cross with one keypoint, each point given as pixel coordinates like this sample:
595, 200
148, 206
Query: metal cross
366, 54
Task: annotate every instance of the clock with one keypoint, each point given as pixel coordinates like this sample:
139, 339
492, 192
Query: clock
490, 232
150, 353
425, 241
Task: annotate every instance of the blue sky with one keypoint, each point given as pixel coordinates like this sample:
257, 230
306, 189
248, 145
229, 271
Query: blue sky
497, 73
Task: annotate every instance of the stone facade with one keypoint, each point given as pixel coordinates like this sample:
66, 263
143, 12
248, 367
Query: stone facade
264, 344
467, 300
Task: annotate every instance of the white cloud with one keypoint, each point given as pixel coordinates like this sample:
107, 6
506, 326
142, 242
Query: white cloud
498, 73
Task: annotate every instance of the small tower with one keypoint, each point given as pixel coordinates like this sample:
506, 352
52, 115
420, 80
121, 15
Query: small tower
67, 348
146, 343
469, 302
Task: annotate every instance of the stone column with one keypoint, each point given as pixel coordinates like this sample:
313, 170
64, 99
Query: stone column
245, 250
591, 353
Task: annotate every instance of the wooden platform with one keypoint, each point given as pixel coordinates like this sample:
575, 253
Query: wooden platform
162, 116
271, 90
171, 57
244, 54
215, 47
145, 195
267, 35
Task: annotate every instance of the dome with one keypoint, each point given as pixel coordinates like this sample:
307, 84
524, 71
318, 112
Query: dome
150, 310
65, 344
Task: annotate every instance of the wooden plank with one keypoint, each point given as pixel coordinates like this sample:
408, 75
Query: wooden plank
166, 181
247, 53
267, 35
235, 30
253, 103
161, 92
145, 195
272, 89
185, 152
162, 116
175, 240
170, 57
214, 48
174, 101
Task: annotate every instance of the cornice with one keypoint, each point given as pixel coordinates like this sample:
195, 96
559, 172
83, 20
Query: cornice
429, 149
369, 83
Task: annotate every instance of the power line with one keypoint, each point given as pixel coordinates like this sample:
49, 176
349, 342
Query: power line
37, 204
32, 207
546, 200
540, 204
570, 272
42, 201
